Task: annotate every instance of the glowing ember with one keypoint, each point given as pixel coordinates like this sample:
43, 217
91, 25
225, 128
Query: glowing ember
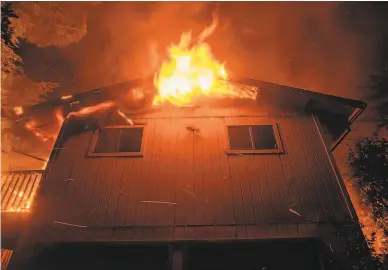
129, 121
92, 109
66, 97
191, 71
18, 110
31, 125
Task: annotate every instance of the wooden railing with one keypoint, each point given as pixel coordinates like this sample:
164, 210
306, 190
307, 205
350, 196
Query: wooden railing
6, 255
18, 189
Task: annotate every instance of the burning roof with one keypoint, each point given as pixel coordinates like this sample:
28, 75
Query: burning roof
190, 76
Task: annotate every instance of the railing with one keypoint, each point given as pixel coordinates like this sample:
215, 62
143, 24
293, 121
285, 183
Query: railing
6, 255
18, 189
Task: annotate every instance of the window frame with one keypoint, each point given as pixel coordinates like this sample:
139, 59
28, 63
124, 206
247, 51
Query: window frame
96, 135
275, 128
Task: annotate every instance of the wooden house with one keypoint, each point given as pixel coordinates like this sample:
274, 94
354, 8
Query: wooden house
225, 184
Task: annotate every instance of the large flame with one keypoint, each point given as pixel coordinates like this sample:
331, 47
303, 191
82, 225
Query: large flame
191, 71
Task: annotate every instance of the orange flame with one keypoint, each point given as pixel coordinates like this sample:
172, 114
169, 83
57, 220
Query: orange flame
31, 125
129, 121
66, 97
191, 71
92, 109
18, 110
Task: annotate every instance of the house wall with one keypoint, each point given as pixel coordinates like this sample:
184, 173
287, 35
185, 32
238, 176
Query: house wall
216, 196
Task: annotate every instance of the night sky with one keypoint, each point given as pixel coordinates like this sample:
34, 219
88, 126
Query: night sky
324, 47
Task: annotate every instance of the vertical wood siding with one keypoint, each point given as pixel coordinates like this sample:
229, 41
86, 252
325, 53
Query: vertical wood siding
205, 192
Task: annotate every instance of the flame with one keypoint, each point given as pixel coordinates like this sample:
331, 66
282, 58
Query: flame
31, 125
66, 97
191, 71
92, 109
18, 110
129, 121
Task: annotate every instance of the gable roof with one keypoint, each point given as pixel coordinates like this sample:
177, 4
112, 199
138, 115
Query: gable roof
335, 113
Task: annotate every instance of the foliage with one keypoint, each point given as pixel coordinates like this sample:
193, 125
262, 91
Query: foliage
378, 83
354, 247
369, 168
51, 23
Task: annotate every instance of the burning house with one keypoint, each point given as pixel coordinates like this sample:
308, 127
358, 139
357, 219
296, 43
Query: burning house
189, 171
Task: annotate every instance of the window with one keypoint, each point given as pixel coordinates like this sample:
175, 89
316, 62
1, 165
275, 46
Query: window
254, 139
118, 141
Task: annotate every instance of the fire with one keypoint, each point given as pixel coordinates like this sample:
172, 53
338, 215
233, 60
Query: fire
18, 110
191, 71
92, 109
66, 97
129, 121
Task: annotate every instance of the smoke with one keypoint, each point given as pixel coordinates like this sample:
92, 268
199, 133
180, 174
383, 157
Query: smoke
326, 47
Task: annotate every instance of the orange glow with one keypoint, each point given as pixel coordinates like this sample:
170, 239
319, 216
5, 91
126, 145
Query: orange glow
129, 121
18, 110
66, 97
92, 109
31, 125
192, 71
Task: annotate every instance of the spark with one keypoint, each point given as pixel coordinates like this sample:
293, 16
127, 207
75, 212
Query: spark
294, 212
161, 202
70, 224
192, 194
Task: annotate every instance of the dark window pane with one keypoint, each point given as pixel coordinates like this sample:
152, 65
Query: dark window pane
131, 139
239, 138
107, 140
264, 137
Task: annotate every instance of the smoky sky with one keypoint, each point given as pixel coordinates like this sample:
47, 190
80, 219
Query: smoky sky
327, 47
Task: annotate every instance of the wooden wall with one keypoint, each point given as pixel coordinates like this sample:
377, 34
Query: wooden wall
208, 194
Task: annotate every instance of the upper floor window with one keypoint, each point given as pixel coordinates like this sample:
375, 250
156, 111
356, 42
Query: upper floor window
254, 139
118, 141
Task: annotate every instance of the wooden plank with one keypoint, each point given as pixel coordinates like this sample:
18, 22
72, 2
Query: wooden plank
213, 186
84, 180
229, 211
189, 175
301, 167
29, 191
200, 171
170, 165
328, 171
272, 202
93, 193
181, 197
114, 192
128, 200
69, 202
14, 192
316, 183
294, 153
74, 152
155, 180
144, 179
5, 186
239, 206
107, 182
55, 184
22, 192
256, 190
33, 189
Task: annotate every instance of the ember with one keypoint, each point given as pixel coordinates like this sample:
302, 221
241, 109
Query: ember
18, 110
66, 97
92, 109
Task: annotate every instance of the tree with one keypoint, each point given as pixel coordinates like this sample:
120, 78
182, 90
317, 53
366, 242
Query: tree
369, 168
51, 23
